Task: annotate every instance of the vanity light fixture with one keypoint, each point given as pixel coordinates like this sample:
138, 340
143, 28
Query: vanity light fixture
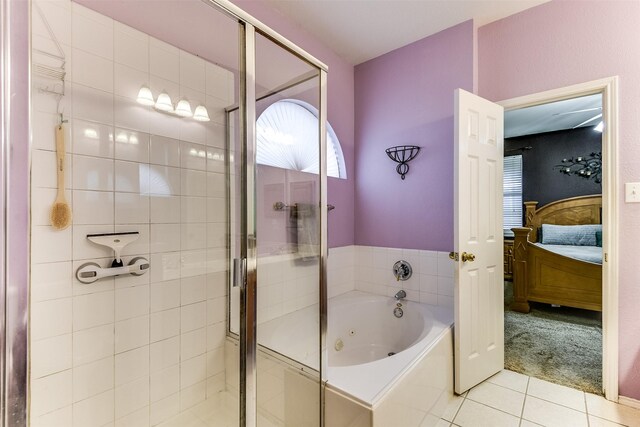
183, 109
145, 97
164, 104
201, 114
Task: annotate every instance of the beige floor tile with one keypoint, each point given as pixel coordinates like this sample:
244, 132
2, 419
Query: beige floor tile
552, 415
602, 408
498, 397
433, 421
184, 419
555, 393
526, 423
473, 414
599, 422
452, 407
510, 379
212, 405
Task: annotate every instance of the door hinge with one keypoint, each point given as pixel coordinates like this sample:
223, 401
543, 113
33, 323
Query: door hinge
606, 257
239, 272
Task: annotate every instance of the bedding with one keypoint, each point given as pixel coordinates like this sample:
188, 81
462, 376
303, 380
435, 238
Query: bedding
574, 235
583, 253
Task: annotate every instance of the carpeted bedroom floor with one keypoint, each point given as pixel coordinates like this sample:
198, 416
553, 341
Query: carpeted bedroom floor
562, 345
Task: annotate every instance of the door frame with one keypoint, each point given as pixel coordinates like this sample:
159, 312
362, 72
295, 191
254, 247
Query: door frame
608, 87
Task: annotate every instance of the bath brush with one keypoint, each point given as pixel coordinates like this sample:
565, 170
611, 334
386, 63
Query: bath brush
60, 211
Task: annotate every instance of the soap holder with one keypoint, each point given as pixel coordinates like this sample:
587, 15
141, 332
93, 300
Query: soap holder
115, 241
91, 271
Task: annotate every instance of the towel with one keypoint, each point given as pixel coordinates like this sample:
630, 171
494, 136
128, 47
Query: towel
308, 233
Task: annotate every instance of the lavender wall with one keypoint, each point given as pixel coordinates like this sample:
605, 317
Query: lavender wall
562, 43
406, 97
198, 31
341, 193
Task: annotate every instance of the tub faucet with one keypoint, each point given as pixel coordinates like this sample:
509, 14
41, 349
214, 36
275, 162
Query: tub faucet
400, 294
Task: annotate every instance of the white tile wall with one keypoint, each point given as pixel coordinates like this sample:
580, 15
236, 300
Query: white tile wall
430, 283
129, 350
287, 285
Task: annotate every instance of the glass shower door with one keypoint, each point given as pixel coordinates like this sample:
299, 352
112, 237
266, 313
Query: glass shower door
277, 237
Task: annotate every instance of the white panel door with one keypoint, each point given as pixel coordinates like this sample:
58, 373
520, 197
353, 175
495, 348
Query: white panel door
478, 240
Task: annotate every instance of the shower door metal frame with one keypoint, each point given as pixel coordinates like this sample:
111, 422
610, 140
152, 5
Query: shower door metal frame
248, 247
250, 27
15, 95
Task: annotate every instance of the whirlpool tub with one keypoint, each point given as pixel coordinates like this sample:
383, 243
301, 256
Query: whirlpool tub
370, 348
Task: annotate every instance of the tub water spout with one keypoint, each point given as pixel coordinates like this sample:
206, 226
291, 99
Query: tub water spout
400, 295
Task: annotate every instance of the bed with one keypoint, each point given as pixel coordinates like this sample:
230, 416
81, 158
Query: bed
567, 275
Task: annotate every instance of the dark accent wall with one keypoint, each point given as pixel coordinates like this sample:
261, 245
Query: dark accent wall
540, 181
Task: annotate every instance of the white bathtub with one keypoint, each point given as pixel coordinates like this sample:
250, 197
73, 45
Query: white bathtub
369, 331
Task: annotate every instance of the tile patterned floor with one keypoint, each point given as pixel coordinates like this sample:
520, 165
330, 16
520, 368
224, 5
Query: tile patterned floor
511, 399
507, 399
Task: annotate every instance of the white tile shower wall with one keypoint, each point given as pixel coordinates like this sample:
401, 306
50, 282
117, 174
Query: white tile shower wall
431, 282
341, 272
130, 348
287, 284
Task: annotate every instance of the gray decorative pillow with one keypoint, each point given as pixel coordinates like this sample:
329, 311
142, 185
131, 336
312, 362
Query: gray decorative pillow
573, 235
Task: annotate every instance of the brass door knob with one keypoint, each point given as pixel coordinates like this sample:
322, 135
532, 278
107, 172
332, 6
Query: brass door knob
467, 257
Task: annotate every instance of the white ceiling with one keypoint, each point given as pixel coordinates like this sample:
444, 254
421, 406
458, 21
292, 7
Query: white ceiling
359, 30
554, 116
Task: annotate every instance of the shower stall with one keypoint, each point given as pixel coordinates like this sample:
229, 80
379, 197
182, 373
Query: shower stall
145, 120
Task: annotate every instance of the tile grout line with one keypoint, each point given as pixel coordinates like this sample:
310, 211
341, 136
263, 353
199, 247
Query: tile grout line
586, 408
524, 402
459, 407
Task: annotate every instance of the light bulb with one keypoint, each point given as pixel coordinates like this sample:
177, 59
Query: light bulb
164, 102
201, 114
145, 97
183, 109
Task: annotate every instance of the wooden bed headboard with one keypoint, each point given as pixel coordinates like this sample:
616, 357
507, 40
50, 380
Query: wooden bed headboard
572, 211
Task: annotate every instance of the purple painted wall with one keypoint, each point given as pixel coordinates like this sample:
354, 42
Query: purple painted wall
199, 30
340, 112
562, 43
405, 97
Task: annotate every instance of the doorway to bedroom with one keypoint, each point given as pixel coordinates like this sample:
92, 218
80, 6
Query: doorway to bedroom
553, 233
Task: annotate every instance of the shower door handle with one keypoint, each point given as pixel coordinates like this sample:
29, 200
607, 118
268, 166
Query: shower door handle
239, 272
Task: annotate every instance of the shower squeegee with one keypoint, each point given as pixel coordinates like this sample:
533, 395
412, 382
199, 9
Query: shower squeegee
115, 241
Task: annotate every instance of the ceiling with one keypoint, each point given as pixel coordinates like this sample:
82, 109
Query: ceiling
359, 30
554, 116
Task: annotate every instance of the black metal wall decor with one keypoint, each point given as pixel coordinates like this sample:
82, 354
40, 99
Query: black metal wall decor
588, 167
402, 154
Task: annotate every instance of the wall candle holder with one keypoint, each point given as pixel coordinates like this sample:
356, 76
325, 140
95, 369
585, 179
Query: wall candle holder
588, 167
402, 154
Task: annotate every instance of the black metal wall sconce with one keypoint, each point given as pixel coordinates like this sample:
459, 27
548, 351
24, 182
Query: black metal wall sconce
402, 154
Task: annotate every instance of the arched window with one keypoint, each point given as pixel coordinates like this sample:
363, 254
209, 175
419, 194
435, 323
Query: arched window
287, 135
